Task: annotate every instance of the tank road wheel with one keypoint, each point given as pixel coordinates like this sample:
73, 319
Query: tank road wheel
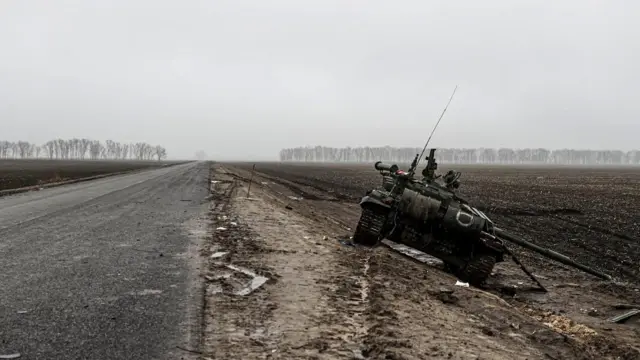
369, 228
478, 269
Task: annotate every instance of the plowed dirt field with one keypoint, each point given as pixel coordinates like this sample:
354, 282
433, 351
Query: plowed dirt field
282, 282
17, 173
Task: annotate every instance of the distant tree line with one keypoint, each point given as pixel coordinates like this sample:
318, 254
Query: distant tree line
462, 156
81, 149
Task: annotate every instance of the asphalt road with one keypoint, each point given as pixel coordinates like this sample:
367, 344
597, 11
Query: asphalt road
105, 269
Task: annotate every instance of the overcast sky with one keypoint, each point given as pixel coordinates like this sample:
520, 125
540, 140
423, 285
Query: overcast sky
242, 79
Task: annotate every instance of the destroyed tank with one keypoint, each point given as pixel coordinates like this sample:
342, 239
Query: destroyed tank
427, 214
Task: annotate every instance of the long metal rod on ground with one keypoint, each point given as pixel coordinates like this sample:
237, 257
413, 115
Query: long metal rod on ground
525, 270
549, 253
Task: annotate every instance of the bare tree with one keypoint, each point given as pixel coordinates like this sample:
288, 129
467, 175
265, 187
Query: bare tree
160, 152
463, 156
78, 149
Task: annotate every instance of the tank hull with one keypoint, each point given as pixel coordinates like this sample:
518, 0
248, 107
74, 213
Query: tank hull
417, 224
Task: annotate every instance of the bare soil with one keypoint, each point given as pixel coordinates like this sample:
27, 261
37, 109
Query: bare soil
325, 299
30, 172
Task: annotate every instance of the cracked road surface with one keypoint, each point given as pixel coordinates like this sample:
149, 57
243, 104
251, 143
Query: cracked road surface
105, 269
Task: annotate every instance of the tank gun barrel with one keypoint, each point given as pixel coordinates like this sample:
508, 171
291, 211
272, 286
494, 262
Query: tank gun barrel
549, 253
385, 167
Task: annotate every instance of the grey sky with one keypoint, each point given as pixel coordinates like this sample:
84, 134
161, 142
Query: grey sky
242, 79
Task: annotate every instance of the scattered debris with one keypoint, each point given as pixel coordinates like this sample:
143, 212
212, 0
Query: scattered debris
412, 253
624, 317
221, 228
22, 311
214, 181
463, 284
567, 285
346, 242
233, 223
10, 356
295, 198
357, 355
217, 277
218, 254
255, 282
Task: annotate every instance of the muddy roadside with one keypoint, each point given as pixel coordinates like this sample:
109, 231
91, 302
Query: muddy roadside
276, 286
432, 318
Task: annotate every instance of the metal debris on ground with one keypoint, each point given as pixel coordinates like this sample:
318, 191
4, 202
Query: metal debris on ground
463, 284
219, 254
10, 356
221, 228
624, 317
346, 242
255, 282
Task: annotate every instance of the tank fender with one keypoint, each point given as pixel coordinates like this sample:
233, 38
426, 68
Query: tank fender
370, 200
493, 244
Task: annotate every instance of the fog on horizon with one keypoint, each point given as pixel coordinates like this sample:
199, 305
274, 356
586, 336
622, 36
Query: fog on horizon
243, 79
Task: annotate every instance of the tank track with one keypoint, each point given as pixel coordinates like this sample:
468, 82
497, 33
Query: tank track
478, 269
369, 228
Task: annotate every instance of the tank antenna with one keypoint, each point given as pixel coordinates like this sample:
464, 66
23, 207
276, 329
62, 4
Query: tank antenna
435, 127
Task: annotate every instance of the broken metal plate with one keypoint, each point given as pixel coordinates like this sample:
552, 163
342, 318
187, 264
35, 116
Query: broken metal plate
624, 317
